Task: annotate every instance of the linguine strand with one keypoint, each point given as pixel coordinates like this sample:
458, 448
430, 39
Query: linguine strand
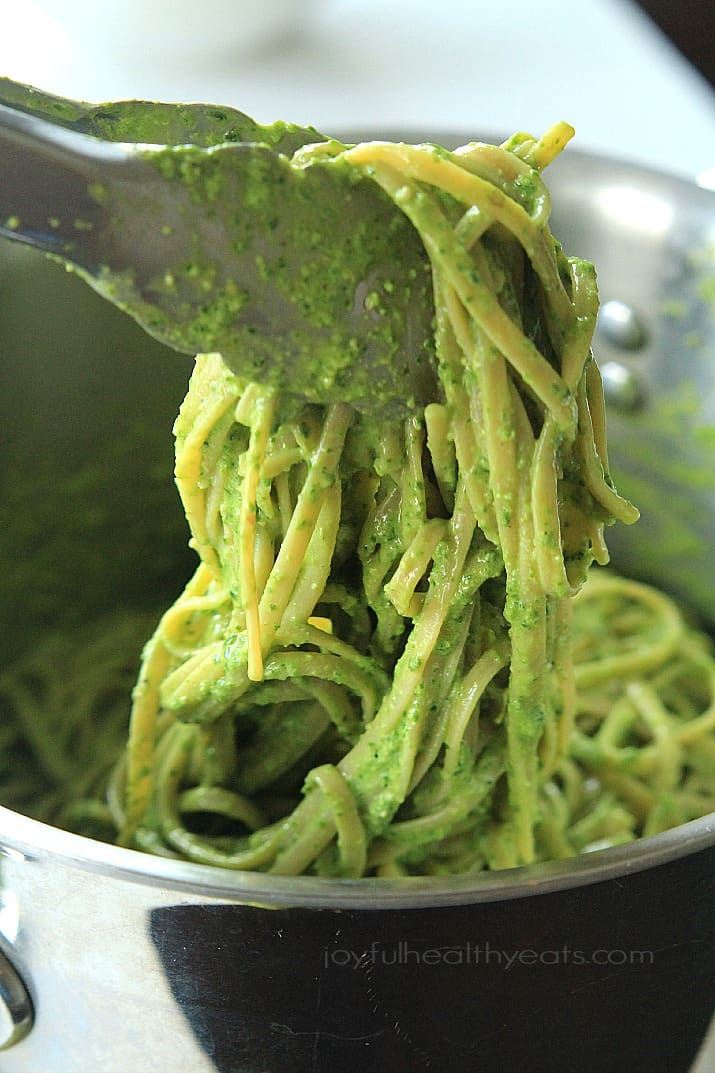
390, 660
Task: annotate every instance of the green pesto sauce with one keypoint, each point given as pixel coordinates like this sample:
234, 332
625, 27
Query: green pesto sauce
155, 123
309, 290
300, 277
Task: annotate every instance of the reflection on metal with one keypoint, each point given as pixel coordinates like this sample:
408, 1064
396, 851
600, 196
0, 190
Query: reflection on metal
706, 179
9, 915
621, 387
636, 209
621, 326
16, 1013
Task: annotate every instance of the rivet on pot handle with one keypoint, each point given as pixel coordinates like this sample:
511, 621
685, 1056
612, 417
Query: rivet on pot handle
16, 1012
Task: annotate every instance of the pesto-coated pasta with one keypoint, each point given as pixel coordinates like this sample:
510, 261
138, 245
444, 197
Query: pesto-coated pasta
389, 660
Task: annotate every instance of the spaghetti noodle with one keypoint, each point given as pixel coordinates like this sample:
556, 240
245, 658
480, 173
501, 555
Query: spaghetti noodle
372, 670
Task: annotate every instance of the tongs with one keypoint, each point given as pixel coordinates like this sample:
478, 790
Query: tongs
307, 279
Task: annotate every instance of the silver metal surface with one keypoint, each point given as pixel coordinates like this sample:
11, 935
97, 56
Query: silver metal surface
16, 1012
621, 388
652, 238
29, 842
202, 274
76, 915
621, 325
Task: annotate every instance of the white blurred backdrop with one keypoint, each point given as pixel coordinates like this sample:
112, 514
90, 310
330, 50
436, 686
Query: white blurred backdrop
388, 65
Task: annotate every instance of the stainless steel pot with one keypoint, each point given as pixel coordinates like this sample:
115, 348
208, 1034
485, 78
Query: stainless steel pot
112, 961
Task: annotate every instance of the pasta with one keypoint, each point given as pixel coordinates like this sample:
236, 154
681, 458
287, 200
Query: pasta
63, 715
374, 669
640, 757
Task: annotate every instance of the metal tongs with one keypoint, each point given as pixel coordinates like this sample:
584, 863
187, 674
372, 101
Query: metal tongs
307, 279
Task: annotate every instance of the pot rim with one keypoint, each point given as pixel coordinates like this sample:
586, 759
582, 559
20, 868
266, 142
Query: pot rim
25, 839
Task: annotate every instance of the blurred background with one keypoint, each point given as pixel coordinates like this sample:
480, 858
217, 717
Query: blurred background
630, 88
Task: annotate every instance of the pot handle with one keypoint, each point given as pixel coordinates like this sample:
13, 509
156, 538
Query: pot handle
17, 1014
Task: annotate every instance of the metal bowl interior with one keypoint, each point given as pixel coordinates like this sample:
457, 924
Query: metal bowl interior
87, 454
